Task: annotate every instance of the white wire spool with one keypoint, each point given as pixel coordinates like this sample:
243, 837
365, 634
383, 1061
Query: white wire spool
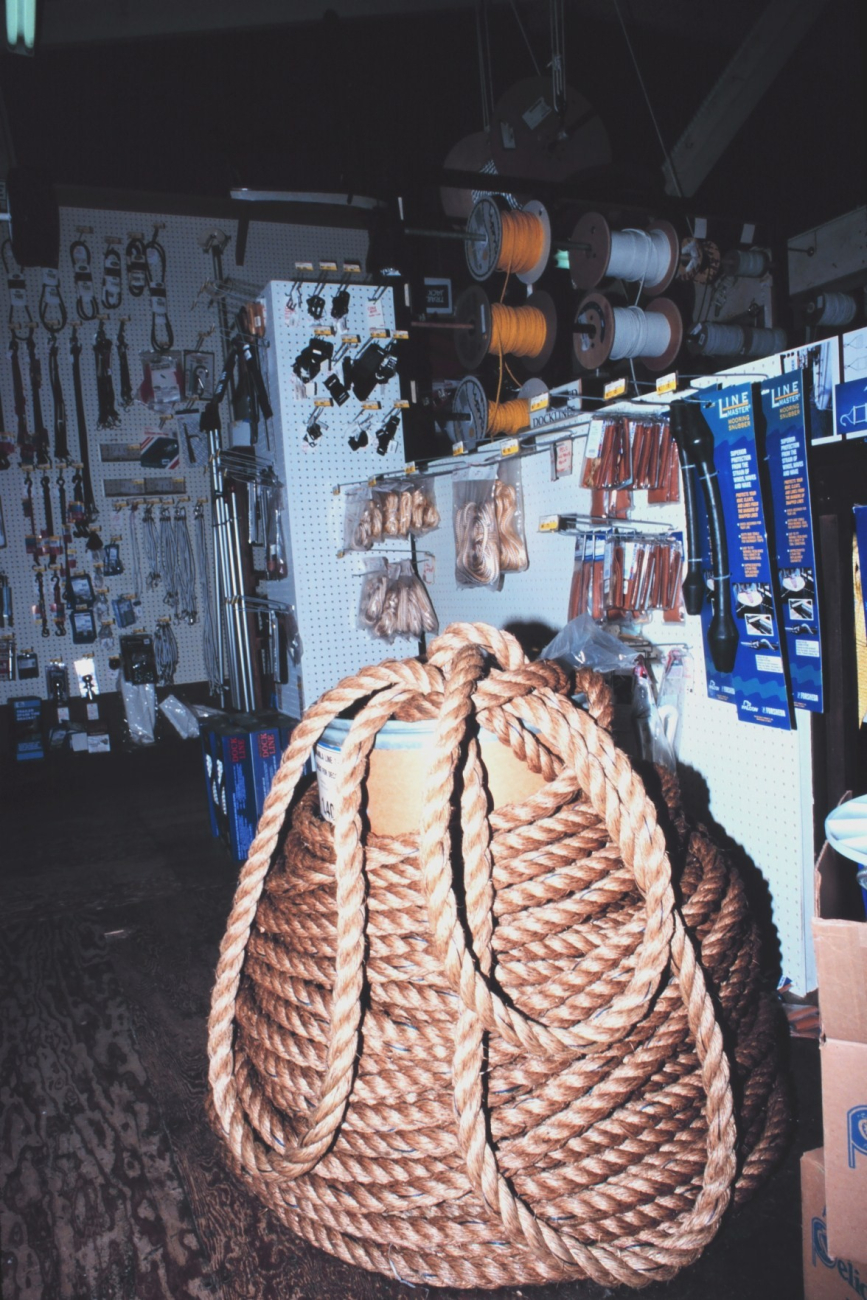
832, 309
602, 333
646, 257
715, 340
746, 263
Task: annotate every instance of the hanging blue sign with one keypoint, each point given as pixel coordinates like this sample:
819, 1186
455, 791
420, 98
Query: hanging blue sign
785, 449
850, 404
757, 684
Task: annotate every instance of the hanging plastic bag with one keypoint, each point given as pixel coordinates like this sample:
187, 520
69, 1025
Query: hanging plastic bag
140, 707
583, 644
509, 507
477, 547
182, 718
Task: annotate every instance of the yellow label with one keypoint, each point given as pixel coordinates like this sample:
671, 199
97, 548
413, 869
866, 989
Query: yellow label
322, 401
549, 524
335, 491
327, 266
615, 389
350, 339
540, 403
510, 447
401, 405
323, 329
400, 334
379, 334
303, 266
352, 268
410, 467
371, 482
458, 449
371, 406
667, 383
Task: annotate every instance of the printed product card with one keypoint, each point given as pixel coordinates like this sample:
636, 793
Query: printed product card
757, 683
785, 449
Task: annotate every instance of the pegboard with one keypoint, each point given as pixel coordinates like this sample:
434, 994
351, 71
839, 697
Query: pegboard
272, 249
323, 585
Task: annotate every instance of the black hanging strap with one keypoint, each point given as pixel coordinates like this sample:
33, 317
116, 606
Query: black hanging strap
46, 505
108, 417
25, 445
162, 335
81, 424
61, 436
86, 305
40, 433
112, 288
52, 308
126, 397
136, 266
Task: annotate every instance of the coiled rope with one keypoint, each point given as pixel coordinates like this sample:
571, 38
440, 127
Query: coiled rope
543, 1091
522, 242
521, 331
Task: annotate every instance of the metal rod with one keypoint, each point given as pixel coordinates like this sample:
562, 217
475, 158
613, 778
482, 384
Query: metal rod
475, 237
581, 328
573, 246
442, 325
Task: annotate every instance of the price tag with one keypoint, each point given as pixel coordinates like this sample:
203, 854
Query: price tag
410, 467
400, 334
372, 482
92, 712
616, 388
352, 268
667, 383
594, 439
371, 406
327, 266
458, 449
379, 334
539, 403
325, 330
401, 405
304, 266
509, 447
350, 340
563, 458
549, 524
322, 401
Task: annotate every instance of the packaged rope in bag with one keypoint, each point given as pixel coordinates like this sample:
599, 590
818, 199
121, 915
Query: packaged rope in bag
477, 546
362, 520
521, 1039
373, 593
509, 508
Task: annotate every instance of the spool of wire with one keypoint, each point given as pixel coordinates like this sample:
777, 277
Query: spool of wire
720, 340
484, 328
602, 332
832, 310
746, 263
647, 257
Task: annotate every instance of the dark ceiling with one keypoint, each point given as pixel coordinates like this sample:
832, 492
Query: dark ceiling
370, 99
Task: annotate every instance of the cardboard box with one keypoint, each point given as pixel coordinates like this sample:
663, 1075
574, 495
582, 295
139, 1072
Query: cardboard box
841, 963
826, 1276
241, 755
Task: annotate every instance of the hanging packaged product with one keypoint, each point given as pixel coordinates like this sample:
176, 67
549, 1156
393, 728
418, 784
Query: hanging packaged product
509, 507
395, 602
783, 437
477, 545
622, 576
406, 507
741, 623
271, 508
162, 385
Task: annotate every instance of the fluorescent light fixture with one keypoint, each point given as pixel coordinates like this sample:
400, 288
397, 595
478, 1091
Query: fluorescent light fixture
21, 23
298, 196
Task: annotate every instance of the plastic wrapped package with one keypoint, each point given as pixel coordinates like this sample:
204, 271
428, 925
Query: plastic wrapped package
477, 547
509, 508
140, 707
396, 511
395, 602
182, 718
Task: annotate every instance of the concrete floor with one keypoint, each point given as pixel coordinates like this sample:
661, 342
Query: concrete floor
112, 1186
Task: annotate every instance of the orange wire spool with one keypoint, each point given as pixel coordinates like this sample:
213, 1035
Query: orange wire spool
517, 242
508, 417
483, 328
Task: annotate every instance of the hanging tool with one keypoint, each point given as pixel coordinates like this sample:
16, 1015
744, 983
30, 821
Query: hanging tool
42, 606
46, 505
112, 288
136, 265
26, 449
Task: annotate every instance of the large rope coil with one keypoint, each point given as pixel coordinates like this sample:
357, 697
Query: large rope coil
511, 1048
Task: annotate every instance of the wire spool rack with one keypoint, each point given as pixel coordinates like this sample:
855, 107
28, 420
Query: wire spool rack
646, 256
510, 1058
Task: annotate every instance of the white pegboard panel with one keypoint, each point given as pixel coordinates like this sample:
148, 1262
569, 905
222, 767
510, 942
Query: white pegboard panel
325, 588
272, 249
